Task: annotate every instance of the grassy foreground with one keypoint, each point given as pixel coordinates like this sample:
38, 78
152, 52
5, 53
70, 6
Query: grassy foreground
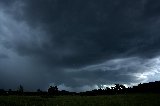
112, 100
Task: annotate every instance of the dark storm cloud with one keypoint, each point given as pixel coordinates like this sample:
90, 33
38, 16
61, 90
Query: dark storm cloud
62, 35
91, 31
121, 71
6, 2
98, 77
3, 56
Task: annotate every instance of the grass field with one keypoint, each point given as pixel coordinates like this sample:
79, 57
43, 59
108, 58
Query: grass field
112, 100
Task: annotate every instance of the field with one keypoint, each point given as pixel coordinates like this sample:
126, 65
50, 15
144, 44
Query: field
111, 100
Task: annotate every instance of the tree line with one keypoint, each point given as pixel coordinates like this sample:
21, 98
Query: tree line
151, 87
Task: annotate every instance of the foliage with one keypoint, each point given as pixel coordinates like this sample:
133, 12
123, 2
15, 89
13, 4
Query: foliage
110, 100
20, 89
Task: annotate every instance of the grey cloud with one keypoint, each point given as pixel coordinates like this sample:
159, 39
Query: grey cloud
114, 71
6, 2
3, 56
86, 36
76, 28
124, 71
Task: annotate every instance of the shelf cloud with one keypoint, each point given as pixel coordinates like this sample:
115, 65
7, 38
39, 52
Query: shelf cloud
78, 45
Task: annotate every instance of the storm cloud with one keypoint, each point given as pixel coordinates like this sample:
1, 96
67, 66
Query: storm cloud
78, 45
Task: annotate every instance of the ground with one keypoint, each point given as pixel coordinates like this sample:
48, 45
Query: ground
110, 100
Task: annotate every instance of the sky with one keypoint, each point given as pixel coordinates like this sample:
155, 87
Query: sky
78, 45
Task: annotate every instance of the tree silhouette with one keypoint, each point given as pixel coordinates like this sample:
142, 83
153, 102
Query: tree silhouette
39, 90
53, 90
20, 89
2, 91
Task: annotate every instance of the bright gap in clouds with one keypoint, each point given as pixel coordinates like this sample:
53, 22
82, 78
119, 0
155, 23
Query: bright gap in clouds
142, 71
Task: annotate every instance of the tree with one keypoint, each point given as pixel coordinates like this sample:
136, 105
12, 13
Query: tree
2, 92
20, 89
120, 88
39, 90
53, 90
117, 87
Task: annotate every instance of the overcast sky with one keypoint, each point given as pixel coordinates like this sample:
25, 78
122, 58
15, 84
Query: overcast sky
78, 44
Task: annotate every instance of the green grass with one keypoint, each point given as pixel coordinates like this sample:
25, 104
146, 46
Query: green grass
112, 100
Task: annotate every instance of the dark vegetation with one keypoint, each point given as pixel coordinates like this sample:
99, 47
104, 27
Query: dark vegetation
109, 100
151, 87
147, 94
